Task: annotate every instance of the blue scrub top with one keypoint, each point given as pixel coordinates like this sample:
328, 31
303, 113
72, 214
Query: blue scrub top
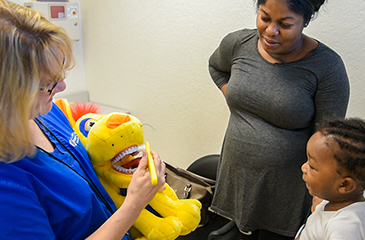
44, 198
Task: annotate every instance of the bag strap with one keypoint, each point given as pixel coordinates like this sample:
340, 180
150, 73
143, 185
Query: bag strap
190, 175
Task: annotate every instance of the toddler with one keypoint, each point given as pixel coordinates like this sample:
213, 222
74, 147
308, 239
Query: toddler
335, 172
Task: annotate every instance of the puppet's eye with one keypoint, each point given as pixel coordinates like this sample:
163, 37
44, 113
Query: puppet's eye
89, 124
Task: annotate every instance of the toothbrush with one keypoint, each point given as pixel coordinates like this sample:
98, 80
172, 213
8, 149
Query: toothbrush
151, 163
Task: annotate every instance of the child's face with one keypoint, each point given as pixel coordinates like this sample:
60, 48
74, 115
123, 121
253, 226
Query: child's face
320, 172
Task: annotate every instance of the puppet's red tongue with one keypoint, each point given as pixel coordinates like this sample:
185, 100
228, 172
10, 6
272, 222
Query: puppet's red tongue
132, 164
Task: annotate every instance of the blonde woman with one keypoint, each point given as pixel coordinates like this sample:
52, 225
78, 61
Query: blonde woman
48, 189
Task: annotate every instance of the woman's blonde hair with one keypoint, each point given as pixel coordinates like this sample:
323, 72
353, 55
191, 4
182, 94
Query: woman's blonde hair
30, 46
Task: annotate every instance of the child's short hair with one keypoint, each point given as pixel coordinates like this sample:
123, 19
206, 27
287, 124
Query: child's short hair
350, 136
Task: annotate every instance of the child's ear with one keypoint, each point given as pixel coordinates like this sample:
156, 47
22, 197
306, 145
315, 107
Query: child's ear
347, 185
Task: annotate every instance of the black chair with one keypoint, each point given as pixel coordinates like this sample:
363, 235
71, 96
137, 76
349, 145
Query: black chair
218, 228
228, 232
205, 166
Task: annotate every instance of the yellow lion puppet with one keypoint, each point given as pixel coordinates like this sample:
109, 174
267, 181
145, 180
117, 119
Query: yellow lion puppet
112, 144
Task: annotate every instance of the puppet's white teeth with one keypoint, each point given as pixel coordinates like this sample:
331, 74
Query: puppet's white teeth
124, 170
125, 152
138, 155
118, 158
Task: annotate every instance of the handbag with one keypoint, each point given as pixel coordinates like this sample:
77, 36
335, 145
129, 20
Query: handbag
190, 185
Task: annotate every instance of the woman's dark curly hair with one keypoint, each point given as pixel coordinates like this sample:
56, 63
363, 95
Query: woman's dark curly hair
349, 134
306, 8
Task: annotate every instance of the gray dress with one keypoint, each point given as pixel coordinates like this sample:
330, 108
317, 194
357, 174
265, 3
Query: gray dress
273, 110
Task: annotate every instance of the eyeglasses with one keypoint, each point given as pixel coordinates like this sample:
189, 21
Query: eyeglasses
49, 90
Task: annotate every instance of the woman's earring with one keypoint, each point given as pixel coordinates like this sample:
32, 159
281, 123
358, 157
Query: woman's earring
305, 24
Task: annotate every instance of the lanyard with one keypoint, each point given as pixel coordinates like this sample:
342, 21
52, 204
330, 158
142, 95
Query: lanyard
87, 178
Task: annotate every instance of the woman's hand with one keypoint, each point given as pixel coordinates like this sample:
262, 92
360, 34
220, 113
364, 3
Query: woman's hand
141, 189
140, 192
223, 89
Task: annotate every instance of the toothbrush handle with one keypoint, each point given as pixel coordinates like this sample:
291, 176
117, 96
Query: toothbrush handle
151, 164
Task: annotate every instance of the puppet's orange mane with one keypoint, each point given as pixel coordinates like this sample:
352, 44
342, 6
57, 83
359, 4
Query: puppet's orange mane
80, 109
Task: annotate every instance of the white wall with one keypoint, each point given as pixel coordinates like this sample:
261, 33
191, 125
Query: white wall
75, 78
150, 57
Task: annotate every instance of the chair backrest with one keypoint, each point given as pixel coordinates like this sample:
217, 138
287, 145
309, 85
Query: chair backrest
205, 166
219, 227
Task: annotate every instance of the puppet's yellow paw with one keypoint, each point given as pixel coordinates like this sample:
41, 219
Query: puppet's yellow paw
189, 215
167, 229
193, 201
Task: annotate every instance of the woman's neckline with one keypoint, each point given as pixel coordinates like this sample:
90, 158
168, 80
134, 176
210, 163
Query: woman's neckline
283, 62
40, 138
314, 45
